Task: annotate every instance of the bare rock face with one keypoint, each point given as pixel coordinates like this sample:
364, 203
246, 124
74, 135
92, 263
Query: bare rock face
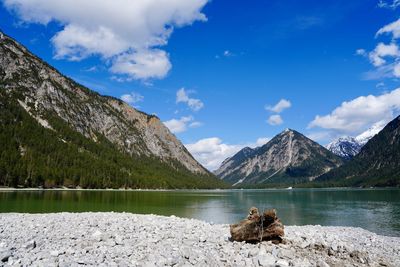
288, 158
257, 228
42, 91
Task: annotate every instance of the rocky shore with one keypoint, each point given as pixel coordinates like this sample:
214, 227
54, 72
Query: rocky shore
123, 239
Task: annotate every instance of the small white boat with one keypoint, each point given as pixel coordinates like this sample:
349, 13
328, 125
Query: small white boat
289, 188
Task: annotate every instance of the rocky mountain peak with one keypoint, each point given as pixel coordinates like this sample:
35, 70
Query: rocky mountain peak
247, 151
43, 92
287, 131
288, 157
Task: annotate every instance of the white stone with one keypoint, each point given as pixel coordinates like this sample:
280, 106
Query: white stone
5, 255
97, 235
30, 245
55, 253
282, 263
322, 263
254, 251
266, 260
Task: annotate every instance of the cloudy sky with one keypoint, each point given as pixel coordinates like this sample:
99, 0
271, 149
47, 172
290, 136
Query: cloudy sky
226, 74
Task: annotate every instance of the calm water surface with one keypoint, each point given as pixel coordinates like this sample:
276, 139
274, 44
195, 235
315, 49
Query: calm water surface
377, 210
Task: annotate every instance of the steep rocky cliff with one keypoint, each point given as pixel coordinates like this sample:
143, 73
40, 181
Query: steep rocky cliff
288, 158
44, 93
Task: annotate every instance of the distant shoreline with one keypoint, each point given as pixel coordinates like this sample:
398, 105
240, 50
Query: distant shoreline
10, 189
6, 189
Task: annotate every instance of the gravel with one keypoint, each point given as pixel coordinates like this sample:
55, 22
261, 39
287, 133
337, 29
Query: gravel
123, 239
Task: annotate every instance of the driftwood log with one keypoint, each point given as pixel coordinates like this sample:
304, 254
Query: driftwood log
257, 228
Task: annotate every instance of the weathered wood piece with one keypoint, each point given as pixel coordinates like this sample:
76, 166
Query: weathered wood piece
257, 228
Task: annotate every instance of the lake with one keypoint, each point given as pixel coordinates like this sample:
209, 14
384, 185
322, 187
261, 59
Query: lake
377, 210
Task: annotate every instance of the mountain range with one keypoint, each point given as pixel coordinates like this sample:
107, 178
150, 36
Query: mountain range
377, 164
347, 147
288, 158
56, 132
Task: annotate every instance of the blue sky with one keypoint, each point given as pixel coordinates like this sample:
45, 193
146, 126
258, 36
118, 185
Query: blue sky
232, 62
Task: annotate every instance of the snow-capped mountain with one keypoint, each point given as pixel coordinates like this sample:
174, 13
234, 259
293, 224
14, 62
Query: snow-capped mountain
347, 147
377, 164
364, 137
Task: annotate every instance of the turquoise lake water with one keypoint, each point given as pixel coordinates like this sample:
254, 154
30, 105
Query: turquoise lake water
377, 210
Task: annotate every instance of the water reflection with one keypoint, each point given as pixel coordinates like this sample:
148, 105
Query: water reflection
377, 210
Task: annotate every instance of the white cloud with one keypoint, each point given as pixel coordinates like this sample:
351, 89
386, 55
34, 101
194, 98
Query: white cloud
355, 116
182, 124
142, 65
275, 120
91, 69
384, 71
228, 53
371, 132
391, 28
361, 52
380, 85
210, 152
260, 141
385, 57
280, 106
132, 98
327, 136
127, 34
396, 70
393, 5
382, 50
323, 136
194, 104
195, 124
76, 43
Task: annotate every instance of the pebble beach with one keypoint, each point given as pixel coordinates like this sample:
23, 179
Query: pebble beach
124, 239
